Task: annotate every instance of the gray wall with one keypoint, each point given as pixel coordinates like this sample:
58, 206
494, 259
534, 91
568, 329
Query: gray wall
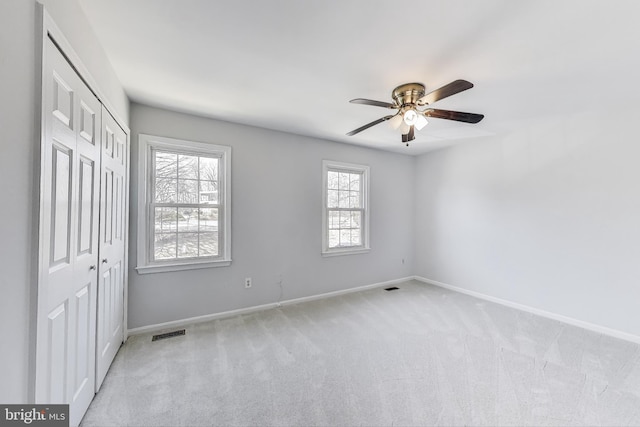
276, 222
19, 171
17, 119
547, 216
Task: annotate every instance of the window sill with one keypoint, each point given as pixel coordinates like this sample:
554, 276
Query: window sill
339, 252
164, 268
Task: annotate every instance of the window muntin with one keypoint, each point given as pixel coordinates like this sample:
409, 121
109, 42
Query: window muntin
345, 214
186, 222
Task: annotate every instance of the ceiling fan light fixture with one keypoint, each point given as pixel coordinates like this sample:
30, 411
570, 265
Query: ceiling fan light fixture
421, 122
395, 121
404, 128
410, 117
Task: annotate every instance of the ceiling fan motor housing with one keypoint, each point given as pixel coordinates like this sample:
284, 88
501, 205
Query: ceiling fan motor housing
408, 94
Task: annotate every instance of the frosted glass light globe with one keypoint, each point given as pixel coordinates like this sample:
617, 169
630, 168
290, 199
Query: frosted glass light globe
421, 122
410, 117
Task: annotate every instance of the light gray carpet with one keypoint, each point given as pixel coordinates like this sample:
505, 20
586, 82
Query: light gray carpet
420, 355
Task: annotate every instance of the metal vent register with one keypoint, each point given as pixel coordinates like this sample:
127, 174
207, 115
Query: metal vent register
168, 335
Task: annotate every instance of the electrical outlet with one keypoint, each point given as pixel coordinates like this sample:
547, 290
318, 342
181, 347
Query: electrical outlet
247, 282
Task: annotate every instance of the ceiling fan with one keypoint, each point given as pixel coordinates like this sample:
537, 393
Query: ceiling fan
407, 98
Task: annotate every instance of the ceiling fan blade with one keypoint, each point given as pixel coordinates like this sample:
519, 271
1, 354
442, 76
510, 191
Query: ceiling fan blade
445, 91
368, 125
372, 102
454, 115
412, 134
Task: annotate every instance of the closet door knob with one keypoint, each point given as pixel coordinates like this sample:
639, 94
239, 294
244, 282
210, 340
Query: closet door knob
104, 261
92, 267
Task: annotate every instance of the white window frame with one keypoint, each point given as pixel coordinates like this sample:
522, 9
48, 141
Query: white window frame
148, 143
328, 165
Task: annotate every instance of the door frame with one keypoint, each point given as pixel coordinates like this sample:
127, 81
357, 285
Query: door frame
46, 28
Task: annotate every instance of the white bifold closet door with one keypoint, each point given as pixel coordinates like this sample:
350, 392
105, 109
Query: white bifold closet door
68, 279
82, 242
112, 244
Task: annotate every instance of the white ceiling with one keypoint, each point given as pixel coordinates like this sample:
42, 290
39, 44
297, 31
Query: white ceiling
293, 65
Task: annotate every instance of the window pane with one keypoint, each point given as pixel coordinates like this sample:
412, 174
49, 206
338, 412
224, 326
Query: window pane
166, 164
334, 238
187, 245
355, 219
345, 237
334, 219
187, 166
354, 184
345, 219
332, 180
208, 168
332, 199
164, 246
343, 181
355, 238
187, 220
187, 191
354, 199
208, 244
209, 192
343, 199
165, 191
208, 219
165, 220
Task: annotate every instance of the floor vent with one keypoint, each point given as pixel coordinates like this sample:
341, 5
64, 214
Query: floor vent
393, 288
168, 335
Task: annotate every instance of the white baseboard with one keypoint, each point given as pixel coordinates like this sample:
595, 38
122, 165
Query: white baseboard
208, 317
559, 317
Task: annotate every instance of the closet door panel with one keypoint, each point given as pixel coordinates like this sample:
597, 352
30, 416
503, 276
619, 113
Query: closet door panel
67, 284
55, 380
86, 200
112, 244
85, 287
61, 189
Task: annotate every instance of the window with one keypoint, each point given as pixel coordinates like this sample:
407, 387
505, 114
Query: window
183, 209
345, 220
